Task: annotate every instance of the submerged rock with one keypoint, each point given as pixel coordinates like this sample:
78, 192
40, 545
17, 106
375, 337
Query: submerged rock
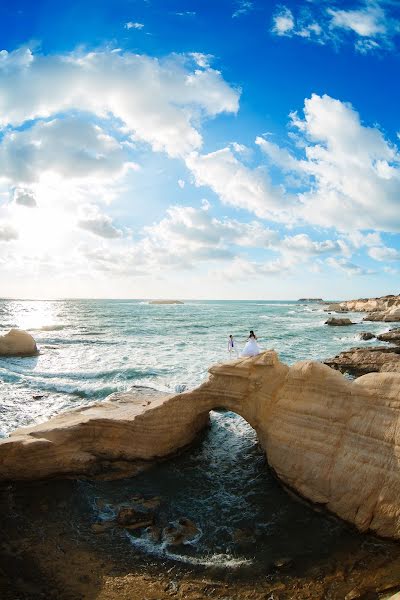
359, 361
183, 531
334, 441
130, 518
17, 343
339, 322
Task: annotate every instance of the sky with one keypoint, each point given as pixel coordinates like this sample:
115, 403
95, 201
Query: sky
230, 149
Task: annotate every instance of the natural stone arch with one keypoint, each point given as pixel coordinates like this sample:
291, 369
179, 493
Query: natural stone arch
334, 441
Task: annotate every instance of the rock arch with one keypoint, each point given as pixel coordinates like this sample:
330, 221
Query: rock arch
334, 441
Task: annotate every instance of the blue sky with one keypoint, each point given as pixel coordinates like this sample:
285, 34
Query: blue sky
183, 149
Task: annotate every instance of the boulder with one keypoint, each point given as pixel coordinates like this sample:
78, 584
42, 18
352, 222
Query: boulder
339, 322
334, 441
367, 335
182, 531
130, 518
17, 343
392, 336
371, 359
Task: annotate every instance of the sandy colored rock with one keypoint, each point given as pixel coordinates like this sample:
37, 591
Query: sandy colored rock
17, 343
392, 336
334, 441
360, 361
391, 315
335, 307
339, 322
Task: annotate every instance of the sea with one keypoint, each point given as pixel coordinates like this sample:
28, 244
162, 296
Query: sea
92, 348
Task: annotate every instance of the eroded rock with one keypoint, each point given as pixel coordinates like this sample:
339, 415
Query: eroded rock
17, 343
339, 322
334, 441
367, 335
360, 361
392, 336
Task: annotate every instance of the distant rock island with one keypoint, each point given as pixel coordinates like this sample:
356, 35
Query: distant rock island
165, 302
310, 300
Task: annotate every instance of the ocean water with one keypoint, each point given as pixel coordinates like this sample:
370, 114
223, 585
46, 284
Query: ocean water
92, 348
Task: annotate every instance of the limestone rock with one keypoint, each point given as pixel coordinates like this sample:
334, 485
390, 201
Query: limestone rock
392, 336
372, 359
334, 441
384, 303
339, 322
17, 343
390, 315
335, 308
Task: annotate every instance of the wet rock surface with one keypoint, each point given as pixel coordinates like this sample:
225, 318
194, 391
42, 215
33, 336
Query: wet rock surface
367, 335
339, 322
392, 336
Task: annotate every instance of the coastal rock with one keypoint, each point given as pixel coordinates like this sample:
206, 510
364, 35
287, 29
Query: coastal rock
392, 336
334, 441
392, 315
360, 361
338, 322
367, 335
17, 343
382, 304
335, 308
183, 531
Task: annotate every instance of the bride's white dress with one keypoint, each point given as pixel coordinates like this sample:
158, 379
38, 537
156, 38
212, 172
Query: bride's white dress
251, 348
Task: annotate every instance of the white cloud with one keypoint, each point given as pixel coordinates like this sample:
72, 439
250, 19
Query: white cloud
349, 268
243, 7
350, 171
283, 21
181, 183
383, 253
24, 197
366, 22
372, 25
160, 102
98, 224
7, 232
71, 147
238, 185
133, 25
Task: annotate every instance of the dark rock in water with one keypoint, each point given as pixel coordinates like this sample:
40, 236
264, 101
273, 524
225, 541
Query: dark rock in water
393, 336
37, 396
338, 322
367, 335
182, 531
102, 526
283, 563
360, 361
153, 533
146, 503
131, 518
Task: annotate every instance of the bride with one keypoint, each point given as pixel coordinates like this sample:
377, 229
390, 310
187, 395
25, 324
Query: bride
251, 348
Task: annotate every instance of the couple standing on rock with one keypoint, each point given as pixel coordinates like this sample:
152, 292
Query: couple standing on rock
251, 348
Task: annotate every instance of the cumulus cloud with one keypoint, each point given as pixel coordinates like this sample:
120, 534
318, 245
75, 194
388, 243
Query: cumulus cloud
159, 101
372, 25
350, 172
7, 232
383, 253
283, 21
346, 266
238, 185
72, 147
98, 224
24, 197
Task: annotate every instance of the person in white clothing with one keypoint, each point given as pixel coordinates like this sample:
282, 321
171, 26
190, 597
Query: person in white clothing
251, 348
